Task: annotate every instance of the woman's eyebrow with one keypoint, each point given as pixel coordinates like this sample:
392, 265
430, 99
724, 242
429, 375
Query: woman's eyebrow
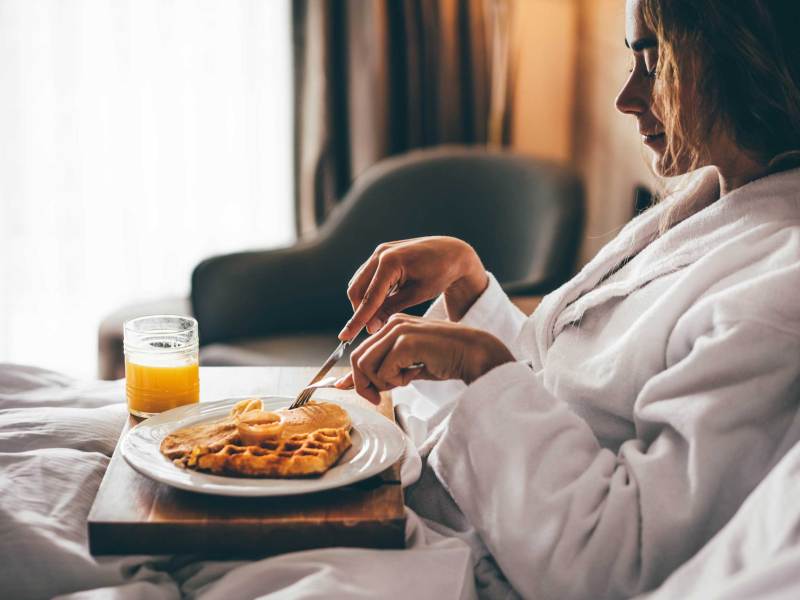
642, 44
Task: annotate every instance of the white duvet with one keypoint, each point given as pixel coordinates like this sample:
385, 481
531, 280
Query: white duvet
56, 438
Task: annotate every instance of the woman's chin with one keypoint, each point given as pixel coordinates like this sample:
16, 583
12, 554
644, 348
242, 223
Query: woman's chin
665, 168
661, 164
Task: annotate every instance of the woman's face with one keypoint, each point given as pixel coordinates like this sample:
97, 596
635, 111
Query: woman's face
636, 96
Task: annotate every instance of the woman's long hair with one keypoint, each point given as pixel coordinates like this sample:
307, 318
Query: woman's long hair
739, 61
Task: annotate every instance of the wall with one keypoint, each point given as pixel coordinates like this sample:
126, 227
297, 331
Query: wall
572, 63
544, 71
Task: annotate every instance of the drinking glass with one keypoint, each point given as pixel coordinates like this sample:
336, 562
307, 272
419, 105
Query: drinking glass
161, 363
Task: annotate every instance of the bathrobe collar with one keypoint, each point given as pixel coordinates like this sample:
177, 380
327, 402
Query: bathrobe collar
708, 224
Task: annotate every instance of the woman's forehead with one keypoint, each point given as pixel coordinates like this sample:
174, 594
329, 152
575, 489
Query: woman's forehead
636, 29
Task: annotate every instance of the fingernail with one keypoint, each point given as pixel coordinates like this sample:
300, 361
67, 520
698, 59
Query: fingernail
374, 325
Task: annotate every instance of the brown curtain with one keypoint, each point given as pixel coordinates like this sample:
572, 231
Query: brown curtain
378, 77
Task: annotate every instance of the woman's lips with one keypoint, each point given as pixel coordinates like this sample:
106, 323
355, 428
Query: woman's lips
653, 139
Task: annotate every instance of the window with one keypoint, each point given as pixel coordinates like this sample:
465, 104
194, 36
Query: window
137, 137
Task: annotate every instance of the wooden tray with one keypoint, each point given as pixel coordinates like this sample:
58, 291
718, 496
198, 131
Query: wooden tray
135, 515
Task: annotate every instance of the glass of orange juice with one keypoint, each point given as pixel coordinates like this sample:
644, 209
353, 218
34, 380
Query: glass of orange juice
161, 363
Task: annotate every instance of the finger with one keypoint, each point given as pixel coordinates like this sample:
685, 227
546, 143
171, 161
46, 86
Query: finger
366, 358
360, 280
361, 382
386, 276
369, 393
411, 373
364, 388
373, 362
394, 321
404, 362
369, 362
387, 327
394, 304
344, 383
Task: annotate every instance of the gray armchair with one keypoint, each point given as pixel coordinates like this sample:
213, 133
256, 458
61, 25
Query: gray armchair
284, 307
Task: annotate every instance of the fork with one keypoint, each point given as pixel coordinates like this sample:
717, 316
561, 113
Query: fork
305, 393
327, 382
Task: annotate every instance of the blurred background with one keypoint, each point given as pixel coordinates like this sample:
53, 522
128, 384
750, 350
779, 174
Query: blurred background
140, 137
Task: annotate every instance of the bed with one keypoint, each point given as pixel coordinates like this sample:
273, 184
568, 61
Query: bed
56, 438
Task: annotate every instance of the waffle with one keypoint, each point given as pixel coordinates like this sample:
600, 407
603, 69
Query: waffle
253, 442
214, 436
294, 456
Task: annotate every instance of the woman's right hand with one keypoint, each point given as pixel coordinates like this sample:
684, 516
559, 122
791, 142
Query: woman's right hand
405, 273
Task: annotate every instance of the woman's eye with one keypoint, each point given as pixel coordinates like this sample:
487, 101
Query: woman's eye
651, 64
650, 73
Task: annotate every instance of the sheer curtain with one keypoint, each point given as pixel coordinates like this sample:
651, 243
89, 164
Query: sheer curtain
136, 138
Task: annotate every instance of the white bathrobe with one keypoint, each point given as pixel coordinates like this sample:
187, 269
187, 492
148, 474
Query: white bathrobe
645, 405
757, 554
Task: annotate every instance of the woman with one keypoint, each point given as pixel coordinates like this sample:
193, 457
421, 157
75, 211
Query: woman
600, 443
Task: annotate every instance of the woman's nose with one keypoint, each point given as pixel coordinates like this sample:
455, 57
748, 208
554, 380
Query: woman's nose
633, 98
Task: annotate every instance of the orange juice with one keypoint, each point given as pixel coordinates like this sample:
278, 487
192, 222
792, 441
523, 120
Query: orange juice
156, 388
161, 363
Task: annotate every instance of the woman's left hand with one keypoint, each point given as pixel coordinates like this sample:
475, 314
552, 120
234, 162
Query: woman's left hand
445, 350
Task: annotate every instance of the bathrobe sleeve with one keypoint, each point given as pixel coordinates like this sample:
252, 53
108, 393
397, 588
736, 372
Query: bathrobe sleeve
566, 518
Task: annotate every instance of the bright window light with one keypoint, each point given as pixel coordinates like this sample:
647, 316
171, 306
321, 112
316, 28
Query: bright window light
137, 137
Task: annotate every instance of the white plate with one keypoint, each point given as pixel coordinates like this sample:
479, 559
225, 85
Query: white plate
377, 444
